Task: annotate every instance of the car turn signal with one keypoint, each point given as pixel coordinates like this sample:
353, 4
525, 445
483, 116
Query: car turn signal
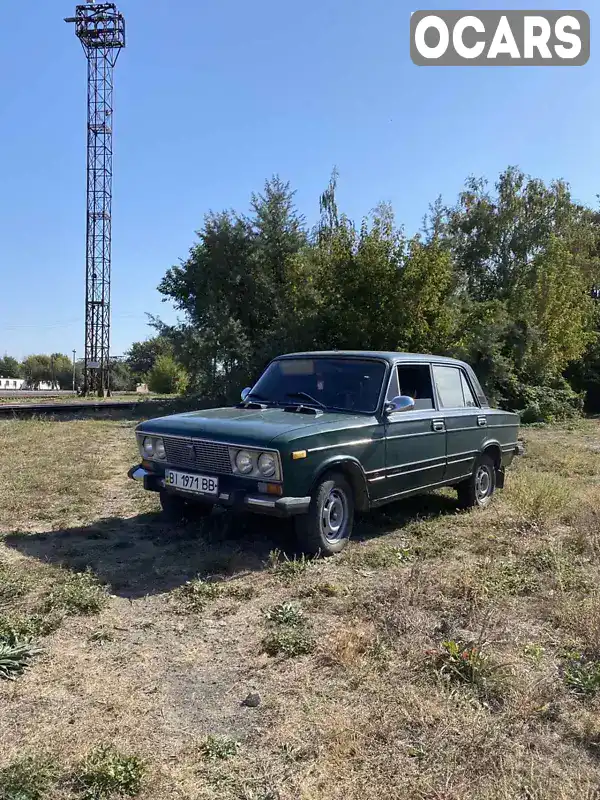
298, 454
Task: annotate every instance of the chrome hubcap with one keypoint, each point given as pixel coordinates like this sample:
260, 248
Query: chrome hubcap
483, 483
334, 515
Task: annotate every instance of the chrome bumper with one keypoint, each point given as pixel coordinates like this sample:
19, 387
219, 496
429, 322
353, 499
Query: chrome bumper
256, 503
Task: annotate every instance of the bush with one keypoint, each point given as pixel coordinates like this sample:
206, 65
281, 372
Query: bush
543, 403
166, 376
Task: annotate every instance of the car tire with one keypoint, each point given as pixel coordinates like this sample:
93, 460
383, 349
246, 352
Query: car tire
327, 526
176, 509
477, 491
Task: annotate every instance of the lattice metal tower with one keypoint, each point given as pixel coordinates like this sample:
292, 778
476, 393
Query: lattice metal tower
101, 30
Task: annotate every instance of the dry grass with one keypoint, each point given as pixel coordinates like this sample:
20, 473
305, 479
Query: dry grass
444, 656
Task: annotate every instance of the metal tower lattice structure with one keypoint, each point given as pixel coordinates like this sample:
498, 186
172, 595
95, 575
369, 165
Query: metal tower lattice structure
101, 30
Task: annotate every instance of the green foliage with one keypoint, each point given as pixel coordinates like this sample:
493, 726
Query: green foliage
288, 642
166, 376
285, 614
141, 356
78, 593
287, 569
107, 773
27, 778
218, 747
502, 280
15, 657
582, 673
10, 367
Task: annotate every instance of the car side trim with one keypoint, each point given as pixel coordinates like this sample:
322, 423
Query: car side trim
343, 444
419, 489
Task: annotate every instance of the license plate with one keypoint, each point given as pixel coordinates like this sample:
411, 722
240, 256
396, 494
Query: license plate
199, 484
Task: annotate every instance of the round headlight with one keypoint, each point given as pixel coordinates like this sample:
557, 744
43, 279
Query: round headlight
159, 449
148, 446
266, 465
243, 461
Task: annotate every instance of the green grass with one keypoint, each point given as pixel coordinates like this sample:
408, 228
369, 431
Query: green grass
78, 593
27, 778
285, 613
288, 642
218, 747
108, 773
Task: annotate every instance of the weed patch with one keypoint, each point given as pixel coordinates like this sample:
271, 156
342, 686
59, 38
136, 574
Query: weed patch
289, 642
218, 748
28, 778
467, 663
107, 773
15, 656
582, 673
287, 569
285, 614
79, 593
383, 556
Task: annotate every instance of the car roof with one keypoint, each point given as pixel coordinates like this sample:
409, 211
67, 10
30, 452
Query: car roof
386, 356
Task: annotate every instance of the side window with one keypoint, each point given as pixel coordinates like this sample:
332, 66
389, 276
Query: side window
415, 381
449, 385
470, 401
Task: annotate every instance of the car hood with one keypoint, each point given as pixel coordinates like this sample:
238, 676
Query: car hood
249, 426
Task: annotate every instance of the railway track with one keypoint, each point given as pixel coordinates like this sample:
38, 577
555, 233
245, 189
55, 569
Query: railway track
29, 409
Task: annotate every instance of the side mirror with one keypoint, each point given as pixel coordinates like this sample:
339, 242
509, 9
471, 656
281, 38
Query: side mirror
246, 392
400, 403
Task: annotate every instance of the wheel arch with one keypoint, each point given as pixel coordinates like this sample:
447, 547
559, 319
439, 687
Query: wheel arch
492, 448
352, 469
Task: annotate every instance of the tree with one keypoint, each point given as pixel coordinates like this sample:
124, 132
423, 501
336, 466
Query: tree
10, 367
37, 369
232, 290
141, 357
166, 376
121, 378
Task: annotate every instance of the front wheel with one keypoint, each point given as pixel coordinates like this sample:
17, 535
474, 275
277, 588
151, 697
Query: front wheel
327, 527
477, 490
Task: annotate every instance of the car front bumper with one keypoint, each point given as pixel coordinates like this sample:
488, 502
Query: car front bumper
238, 499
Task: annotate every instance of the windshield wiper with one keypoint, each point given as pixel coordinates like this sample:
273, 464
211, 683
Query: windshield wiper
306, 396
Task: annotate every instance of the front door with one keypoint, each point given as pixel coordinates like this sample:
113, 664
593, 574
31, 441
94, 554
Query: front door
465, 422
415, 439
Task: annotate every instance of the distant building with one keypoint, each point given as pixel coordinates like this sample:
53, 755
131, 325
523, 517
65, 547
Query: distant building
20, 383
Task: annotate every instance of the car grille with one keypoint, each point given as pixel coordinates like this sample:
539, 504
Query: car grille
198, 454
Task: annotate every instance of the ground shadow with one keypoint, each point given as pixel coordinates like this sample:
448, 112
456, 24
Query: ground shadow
397, 515
144, 555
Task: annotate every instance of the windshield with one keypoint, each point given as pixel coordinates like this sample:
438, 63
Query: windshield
340, 384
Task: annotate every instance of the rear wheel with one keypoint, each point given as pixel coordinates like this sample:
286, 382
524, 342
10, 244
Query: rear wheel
175, 508
477, 490
327, 527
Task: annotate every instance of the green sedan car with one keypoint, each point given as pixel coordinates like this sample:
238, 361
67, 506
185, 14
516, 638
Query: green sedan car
322, 435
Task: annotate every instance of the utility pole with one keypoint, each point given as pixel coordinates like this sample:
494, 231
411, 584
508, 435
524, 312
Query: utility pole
101, 30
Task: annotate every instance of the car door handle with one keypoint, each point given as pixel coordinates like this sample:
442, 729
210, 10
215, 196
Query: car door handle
438, 424
481, 421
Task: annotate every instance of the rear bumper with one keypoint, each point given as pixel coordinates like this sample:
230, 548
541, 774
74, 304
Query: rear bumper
238, 499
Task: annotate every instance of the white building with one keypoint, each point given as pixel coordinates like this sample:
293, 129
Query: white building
20, 383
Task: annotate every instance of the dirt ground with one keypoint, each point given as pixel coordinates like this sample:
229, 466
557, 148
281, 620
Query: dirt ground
444, 655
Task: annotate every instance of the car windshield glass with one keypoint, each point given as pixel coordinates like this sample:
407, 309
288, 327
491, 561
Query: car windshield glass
337, 383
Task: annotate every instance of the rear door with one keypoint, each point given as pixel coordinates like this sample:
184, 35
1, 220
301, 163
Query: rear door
415, 439
464, 420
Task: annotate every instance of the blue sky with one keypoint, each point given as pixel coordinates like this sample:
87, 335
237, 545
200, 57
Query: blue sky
211, 99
